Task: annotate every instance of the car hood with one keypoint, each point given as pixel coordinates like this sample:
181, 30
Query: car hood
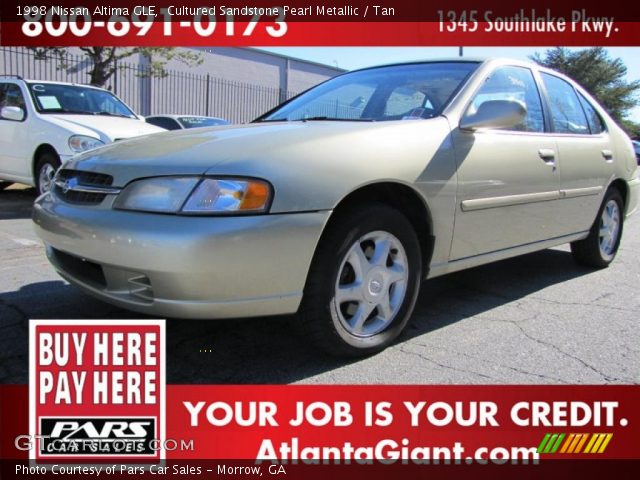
106, 127
310, 157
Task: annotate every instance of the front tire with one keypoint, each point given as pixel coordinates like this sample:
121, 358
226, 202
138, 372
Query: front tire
363, 282
601, 246
46, 167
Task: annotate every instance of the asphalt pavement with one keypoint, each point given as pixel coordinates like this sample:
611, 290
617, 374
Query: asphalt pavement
538, 318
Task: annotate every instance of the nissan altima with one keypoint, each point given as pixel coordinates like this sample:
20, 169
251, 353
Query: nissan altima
337, 204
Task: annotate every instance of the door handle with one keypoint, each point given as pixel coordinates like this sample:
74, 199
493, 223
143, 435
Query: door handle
548, 156
608, 155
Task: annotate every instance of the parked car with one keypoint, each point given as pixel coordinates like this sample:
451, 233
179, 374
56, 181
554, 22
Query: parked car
178, 122
339, 202
43, 124
636, 148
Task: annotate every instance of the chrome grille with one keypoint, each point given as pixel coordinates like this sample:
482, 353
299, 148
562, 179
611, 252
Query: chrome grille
69, 186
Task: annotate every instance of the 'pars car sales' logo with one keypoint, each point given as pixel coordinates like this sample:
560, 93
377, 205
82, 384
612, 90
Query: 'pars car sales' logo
97, 389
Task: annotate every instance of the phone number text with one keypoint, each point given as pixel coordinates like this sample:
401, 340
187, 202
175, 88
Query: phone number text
203, 24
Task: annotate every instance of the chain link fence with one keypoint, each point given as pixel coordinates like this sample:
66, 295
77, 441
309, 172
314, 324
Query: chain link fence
178, 92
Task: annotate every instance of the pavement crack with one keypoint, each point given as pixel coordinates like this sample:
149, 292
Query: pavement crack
582, 304
567, 354
402, 349
509, 367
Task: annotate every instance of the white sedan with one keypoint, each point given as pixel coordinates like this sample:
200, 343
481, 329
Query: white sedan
179, 122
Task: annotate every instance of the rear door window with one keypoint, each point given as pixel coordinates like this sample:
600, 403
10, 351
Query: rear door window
566, 111
596, 125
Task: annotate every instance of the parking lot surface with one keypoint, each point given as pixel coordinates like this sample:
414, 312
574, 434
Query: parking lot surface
539, 318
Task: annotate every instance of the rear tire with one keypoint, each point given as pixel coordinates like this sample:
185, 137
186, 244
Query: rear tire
600, 247
363, 282
46, 167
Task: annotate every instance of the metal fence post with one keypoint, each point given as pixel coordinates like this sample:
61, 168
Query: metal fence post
237, 101
206, 109
115, 77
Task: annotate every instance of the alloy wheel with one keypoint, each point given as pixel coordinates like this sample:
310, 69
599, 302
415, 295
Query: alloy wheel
45, 178
371, 284
609, 229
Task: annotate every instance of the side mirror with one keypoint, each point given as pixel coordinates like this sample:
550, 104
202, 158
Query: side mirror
495, 114
12, 113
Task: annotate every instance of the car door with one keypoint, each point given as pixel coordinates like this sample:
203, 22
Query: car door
585, 154
508, 183
14, 140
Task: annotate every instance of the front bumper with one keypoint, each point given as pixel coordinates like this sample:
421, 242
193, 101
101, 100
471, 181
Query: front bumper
181, 266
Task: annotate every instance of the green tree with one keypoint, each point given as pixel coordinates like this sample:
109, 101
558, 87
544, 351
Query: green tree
104, 60
600, 75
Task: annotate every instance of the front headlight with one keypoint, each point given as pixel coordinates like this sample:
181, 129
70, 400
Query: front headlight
195, 195
82, 143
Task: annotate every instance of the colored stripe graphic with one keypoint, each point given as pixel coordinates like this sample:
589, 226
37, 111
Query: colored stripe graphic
570, 440
573, 443
578, 439
581, 443
592, 440
556, 445
543, 443
550, 443
605, 443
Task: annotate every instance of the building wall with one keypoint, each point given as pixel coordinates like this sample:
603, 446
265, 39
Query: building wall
234, 83
255, 66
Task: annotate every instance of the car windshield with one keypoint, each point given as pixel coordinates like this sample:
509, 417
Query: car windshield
77, 99
197, 122
399, 92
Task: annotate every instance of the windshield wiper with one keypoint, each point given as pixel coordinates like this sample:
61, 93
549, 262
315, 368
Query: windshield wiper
333, 119
103, 112
64, 110
313, 119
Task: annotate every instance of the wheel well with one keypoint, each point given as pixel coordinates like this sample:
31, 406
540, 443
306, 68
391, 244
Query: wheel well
403, 198
44, 148
621, 186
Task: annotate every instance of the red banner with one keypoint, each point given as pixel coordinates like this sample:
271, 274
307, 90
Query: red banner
383, 424
316, 34
122, 23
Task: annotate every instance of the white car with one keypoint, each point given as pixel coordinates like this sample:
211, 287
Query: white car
180, 122
43, 124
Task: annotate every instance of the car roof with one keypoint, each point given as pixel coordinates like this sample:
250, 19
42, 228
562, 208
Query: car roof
52, 82
422, 61
485, 61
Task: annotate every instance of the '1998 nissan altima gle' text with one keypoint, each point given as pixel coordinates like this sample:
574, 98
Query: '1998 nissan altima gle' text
339, 202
